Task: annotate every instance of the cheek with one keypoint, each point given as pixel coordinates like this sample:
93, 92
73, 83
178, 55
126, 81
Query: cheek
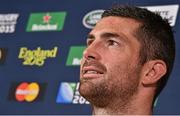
119, 62
116, 64
123, 78
116, 74
118, 69
116, 56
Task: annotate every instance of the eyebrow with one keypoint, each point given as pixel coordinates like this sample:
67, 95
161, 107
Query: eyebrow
108, 35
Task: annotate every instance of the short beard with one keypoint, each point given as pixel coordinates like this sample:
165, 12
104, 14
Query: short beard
96, 95
109, 94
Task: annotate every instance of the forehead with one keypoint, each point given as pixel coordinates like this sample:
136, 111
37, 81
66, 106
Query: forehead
117, 24
125, 28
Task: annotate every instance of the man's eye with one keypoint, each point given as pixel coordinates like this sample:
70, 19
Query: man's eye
89, 42
112, 42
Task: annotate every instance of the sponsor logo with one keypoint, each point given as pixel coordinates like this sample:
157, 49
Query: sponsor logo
3, 54
166, 11
75, 55
53, 21
36, 57
8, 22
27, 92
91, 18
68, 93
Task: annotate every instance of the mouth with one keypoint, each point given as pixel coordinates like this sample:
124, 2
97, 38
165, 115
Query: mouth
91, 72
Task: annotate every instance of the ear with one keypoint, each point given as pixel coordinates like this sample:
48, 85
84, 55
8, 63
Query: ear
153, 71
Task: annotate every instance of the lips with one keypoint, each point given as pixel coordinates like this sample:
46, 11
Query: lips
92, 70
89, 73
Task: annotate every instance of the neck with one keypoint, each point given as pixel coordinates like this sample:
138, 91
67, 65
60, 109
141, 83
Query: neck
137, 105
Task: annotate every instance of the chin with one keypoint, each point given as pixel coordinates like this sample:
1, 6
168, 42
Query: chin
85, 88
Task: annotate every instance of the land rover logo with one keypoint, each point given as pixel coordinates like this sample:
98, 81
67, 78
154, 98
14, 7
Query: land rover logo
92, 18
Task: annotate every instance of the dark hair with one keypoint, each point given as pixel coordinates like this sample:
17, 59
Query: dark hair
155, 35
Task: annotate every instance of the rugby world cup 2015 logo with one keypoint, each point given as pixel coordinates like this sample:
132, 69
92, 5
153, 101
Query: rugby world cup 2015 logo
68, 93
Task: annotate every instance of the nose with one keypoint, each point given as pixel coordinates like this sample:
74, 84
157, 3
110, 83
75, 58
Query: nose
92, 52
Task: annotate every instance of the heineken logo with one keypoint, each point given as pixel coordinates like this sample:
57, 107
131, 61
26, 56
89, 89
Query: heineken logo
46, 18
53, 21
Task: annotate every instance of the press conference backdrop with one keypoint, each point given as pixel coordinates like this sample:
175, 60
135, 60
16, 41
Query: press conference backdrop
41, 44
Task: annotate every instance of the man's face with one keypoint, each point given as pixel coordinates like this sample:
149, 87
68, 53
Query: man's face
110, 68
